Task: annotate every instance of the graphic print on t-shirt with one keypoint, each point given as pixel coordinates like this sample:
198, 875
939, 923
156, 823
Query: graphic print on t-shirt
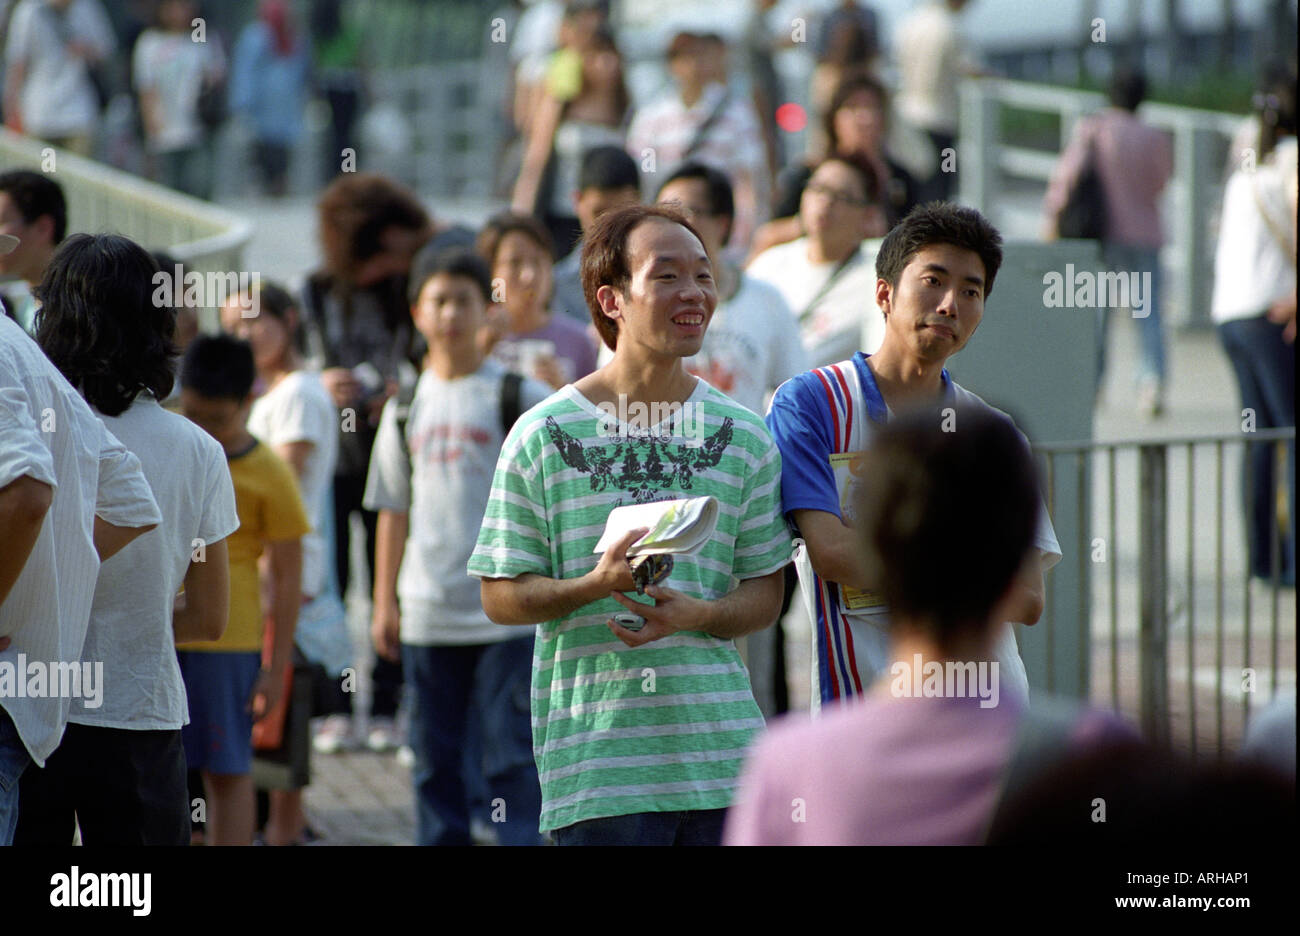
619, 463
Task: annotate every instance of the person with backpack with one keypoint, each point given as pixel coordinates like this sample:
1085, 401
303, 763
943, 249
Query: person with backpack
430, 478
1132, 162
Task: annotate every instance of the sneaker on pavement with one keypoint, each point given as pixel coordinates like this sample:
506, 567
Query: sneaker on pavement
334, 734
383, 735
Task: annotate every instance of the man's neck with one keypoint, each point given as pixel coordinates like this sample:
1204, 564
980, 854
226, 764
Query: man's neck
238, 444
903, 379
524, 321
821, 250
691, 94
639, 379
447, 365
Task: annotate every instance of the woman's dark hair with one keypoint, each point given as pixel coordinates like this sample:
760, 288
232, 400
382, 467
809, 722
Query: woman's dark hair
605, 261
219, 367
1275, 105
1128, 88
938, 484
511, 222
106, 321
274, 299
722, 201
940, 223
854, 84
355, 210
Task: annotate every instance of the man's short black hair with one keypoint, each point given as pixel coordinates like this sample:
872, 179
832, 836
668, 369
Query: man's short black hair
452, 261
219, 367
947, 509
940, 223
722, 201
99, 325
35, 194
608, 167
1128, 88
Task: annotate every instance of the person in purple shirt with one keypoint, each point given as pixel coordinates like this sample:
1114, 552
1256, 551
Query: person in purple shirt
554, 349
946, 519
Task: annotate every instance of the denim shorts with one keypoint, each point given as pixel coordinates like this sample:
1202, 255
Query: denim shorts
13, 761
219, 737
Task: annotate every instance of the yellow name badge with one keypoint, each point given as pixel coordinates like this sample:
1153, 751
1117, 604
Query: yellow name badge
848, 468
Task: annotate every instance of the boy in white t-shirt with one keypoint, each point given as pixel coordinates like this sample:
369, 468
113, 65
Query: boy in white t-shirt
430, 477
120, 769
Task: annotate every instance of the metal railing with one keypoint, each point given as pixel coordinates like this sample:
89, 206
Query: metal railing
1191, 201
1172, 604
103, 199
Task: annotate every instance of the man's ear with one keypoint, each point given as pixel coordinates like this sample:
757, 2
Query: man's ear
884, 293
610, 302
45, 229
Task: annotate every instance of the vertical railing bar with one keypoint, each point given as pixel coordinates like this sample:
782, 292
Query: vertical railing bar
1219, 584
1113, 554
1050, 484
1085, 580
1191, 595
1248, 471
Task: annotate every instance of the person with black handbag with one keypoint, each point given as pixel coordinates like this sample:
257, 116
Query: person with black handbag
1106, 187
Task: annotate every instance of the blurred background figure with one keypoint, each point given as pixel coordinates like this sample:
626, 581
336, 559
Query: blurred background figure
269, 88
177, 79
1134, 162
339, 46
32, 209
608, 179
856, 124
848, 45
55, 86
933, 55
357, 331
701, 118
535, 342
582, 104
1254, 308
826, 277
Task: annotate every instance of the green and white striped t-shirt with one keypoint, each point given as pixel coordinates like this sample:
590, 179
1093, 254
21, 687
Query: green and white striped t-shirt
665, 726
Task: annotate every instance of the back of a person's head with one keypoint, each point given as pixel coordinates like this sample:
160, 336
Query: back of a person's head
219, 367
453, 261
947, 509
1128, 88
1131, 794
940, 222
353, 213
35, 195
608, 167
99, 323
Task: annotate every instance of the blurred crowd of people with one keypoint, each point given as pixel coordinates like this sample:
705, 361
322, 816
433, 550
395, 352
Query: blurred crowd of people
440, 384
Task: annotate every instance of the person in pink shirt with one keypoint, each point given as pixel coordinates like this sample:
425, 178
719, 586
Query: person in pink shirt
946, 519
1134, 162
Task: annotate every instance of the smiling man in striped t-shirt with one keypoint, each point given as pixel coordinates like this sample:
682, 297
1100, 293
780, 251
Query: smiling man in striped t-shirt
639, 735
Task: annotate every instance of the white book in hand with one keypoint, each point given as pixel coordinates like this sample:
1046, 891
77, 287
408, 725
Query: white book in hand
676, 526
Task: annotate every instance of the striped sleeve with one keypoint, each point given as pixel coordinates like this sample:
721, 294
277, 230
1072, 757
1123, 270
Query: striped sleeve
763, 544
515, 537
802, 433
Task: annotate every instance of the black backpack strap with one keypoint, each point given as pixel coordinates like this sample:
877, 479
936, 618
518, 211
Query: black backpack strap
511, 402
403, 404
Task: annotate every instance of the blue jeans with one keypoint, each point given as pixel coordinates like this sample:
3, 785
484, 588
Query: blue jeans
13, 761
1121, 258
1265, 368
450, 685
691, 827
